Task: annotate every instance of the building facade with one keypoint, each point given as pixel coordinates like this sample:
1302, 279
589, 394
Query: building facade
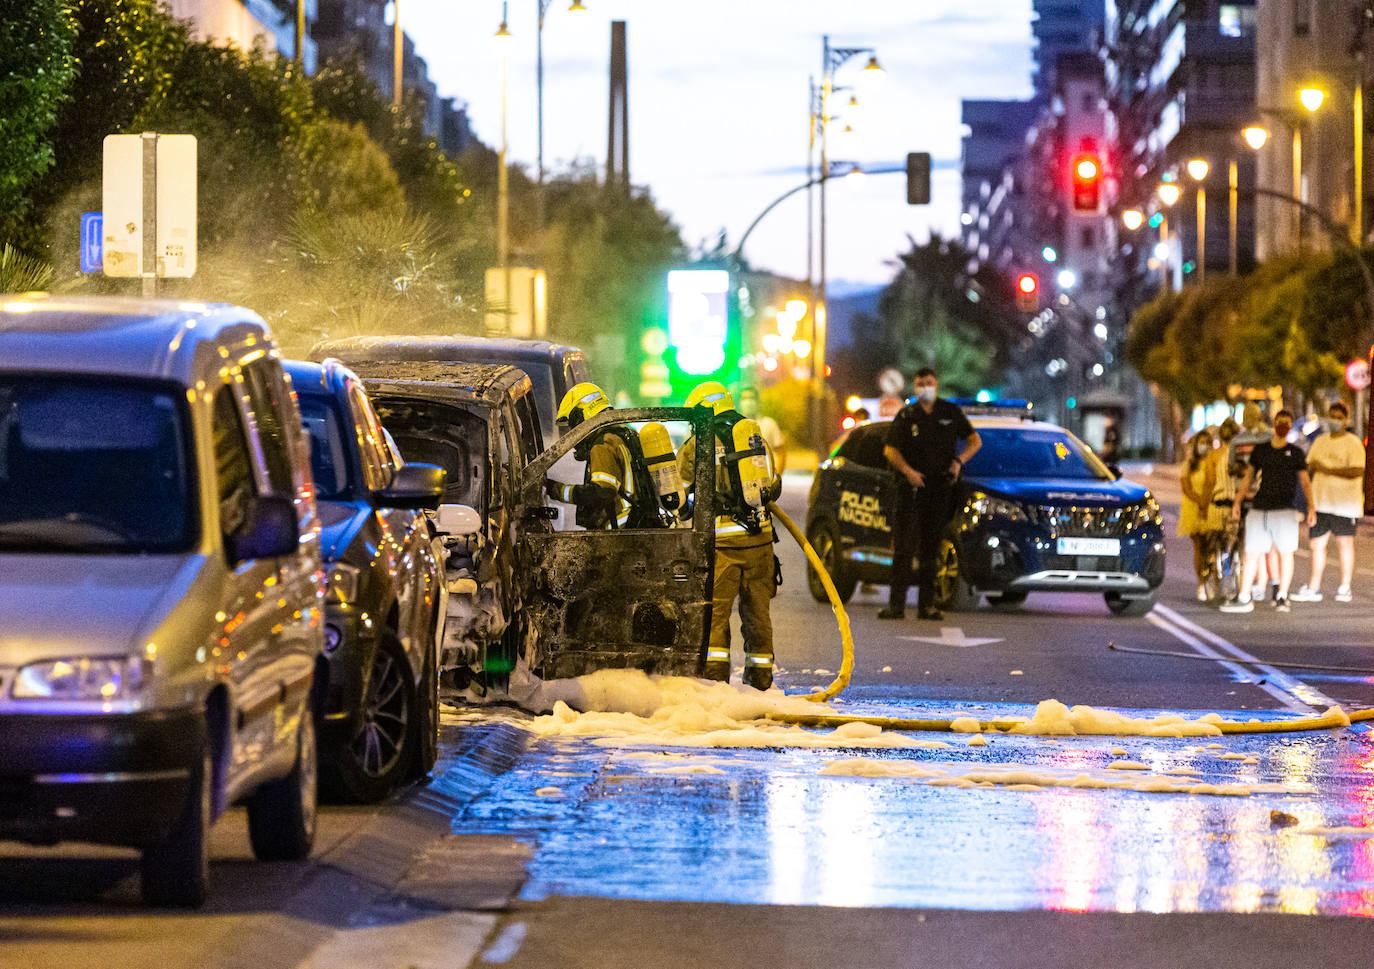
246, 24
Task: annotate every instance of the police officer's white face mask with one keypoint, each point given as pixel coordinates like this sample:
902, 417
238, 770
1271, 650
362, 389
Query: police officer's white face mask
926, 393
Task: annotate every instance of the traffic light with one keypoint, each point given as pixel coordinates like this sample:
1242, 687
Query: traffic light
918, 178
1027, 293
1087, 183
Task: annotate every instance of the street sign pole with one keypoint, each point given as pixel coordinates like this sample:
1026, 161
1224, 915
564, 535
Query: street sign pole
149, 214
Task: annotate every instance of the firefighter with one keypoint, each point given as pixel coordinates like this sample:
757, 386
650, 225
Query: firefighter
746, 481
617, 490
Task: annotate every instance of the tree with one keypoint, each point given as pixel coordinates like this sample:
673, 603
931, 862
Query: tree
36, 67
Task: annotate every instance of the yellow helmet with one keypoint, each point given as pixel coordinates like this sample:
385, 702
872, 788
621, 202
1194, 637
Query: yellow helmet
712, 394
580, 402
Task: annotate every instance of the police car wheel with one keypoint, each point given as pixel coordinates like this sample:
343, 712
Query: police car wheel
951, 591
1120, 605
1006, 600
823, 540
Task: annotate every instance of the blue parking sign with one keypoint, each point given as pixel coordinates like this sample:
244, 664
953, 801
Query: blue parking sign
92, 242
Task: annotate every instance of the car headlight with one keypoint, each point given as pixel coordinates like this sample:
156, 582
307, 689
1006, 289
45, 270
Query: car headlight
989, 506
1145, 512
80, 678
342, 582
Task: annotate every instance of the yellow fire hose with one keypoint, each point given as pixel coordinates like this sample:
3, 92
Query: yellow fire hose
1326, 721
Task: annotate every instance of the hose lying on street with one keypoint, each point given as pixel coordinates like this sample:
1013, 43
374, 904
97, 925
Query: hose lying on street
1179, 654
841, 618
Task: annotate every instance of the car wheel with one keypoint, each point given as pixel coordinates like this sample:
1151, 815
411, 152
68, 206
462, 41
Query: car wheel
281, 814
951, 591
427, 717
176, 871
381, 750
827, 549
1009, 599
1120, 605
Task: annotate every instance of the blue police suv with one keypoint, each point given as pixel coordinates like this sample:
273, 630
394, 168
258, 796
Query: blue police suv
1034, 511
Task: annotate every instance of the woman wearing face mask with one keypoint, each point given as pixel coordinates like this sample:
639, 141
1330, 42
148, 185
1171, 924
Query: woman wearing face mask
1195, 518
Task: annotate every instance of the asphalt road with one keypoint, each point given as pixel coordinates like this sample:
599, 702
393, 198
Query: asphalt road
570, 852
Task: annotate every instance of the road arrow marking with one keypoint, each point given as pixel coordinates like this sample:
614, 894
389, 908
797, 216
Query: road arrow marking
950, 636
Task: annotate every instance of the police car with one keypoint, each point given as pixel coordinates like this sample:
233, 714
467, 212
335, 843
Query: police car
1035, 510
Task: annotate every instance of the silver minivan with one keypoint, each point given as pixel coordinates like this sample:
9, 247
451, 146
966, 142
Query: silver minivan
161, 588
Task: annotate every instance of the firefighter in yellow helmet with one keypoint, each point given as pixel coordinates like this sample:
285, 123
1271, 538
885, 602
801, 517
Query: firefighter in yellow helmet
615, 490
746, 480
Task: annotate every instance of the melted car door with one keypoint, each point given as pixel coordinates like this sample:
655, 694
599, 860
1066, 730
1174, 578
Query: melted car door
616, 598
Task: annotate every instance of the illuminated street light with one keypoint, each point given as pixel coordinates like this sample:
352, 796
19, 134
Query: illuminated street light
801, 348
1311, 97
1048, 254
1197, 171
1255, 136
853, 402
1067, 279
1162, 251
1169, 193
1133, 219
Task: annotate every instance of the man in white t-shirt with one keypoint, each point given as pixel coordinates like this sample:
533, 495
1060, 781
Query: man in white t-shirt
1336, 463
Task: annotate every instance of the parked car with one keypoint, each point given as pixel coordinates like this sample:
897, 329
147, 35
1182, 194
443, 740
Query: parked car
478, 423
1036, 510
384, 610
551, 367
161, 586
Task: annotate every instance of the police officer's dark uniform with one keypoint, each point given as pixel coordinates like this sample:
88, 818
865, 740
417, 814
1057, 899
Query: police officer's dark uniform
929, 443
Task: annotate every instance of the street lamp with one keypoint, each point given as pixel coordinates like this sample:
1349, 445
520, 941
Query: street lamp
832, 58
1133, 219
1255, 136
398, 51
1169, 193
543, 5
1197, 171
502, 39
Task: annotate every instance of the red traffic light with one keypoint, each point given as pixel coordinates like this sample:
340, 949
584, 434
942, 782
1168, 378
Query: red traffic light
1087, 175
1027, 293
1027, 283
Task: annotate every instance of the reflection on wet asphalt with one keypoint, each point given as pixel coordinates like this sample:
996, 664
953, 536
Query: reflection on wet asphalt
617, 820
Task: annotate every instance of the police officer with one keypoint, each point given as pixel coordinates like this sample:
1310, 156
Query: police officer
607, 497
746, 479
927, 444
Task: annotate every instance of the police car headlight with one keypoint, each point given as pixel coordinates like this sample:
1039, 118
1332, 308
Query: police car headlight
988, 506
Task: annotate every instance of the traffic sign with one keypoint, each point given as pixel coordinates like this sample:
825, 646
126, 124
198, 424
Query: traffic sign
162, 168
92, 245
891, 381
1357, 374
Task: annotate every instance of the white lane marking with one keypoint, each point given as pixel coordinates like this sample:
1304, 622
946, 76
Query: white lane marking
951, 636
506, 945
1241, 674
1296, 688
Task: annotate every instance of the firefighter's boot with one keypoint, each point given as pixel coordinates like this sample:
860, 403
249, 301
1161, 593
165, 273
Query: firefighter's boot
717, 664
758, 670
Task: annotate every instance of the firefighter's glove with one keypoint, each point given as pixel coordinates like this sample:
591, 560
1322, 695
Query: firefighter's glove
595, 505
553, 489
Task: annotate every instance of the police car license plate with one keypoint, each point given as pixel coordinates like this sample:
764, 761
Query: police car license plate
1090, 546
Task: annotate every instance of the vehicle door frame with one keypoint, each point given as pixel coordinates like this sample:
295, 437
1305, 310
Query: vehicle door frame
551, 642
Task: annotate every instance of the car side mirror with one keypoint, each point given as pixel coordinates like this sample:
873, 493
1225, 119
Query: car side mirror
412, 487
269, 531
458, 520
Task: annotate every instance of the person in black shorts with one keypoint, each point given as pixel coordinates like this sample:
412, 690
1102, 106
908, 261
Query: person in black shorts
927, 444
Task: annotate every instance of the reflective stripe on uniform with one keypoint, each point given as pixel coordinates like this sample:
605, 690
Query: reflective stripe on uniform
714, 655
759, 659
601, 477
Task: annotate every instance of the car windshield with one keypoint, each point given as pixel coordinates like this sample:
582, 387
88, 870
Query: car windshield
328, 462
1029, 452
89, 466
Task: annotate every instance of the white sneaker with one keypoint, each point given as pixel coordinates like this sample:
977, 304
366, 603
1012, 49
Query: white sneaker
1242, 604
1343, 594
1257, 592
1202, 593
1307, 594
